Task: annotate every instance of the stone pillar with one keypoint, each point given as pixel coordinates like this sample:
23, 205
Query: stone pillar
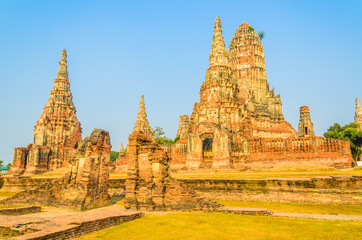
305, 126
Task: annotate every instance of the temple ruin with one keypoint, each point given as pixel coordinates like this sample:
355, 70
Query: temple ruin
149, 186
57, 133
84, 187
238, 122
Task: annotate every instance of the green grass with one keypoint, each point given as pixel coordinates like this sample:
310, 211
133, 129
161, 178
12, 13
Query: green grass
7, 194
227, 226
9, 206
348, 209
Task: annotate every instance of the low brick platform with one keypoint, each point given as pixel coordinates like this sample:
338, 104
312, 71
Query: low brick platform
63, 224
247, 211
20, 210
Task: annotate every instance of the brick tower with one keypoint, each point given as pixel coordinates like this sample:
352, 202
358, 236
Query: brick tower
215, 123
305, 126
246, 58
358, 114
57, 133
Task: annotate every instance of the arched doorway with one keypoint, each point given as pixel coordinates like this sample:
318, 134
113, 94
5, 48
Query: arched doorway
207, 153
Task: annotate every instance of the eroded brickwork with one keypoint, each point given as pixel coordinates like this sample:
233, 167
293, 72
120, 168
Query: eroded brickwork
246, 58
142, 121
149, 186
57, 133
305, 126
121, 162
216, 124
85, 186
183, 125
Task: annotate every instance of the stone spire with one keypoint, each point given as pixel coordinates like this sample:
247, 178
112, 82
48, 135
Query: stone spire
142, 122
358, 114
63, 69
305, 126
218, 54
58, 127
121, 149
246, 58
183, 125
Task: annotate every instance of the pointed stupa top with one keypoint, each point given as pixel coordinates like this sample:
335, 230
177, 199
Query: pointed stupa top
218, 54
358, 113
142, 122
63, 69
121, 149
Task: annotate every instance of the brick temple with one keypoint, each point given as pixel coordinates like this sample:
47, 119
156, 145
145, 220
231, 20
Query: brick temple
238, 122
57, 133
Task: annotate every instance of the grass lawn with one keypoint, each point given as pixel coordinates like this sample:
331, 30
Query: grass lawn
9, 206
348, 209
227, 226
7, 194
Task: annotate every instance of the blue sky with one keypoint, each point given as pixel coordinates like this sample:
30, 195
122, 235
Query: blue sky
119, 50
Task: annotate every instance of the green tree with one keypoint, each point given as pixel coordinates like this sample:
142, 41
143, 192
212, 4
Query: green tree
160, 137
9, 165
348, 132
261, 35
1, 163
114, 156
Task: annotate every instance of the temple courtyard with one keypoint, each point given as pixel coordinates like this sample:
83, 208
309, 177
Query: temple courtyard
271, 205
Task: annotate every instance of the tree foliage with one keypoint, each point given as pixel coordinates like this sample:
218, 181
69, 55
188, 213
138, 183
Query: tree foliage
161, 138
114, 156
348, 132
261, 35
1, 163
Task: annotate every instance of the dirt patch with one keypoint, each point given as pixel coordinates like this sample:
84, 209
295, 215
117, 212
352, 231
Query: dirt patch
6, 232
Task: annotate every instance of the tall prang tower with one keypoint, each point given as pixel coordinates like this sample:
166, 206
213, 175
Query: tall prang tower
246, 58
58, 126
216, 121
57, 133
358, 114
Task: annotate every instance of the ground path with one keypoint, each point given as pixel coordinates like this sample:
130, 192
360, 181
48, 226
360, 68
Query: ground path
60, 222
319, 216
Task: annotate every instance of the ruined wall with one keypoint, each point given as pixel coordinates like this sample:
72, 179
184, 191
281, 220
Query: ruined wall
266, 153
149, 186
262, 128
85, 186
